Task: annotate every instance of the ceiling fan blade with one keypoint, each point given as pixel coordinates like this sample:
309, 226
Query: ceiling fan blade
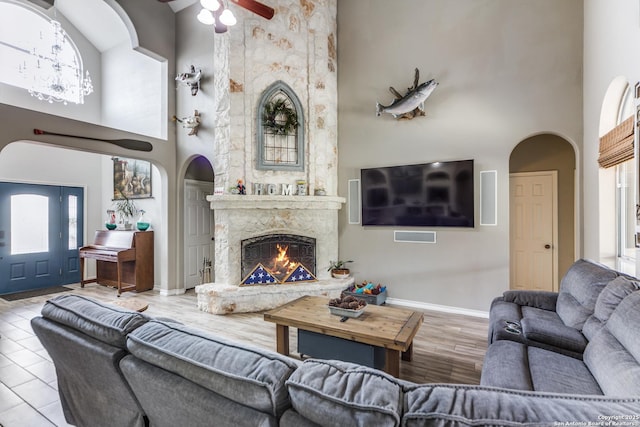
256, 7
130, 144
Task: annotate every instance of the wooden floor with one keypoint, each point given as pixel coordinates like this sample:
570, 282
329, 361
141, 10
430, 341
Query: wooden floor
448, 348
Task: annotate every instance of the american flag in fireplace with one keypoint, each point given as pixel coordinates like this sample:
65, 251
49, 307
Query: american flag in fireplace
259, 276
300, 274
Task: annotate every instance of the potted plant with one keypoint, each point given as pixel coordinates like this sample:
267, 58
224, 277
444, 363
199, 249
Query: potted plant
338, 269
127, 209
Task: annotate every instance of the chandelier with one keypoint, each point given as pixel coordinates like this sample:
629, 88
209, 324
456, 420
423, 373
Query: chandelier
215, 13
55, 69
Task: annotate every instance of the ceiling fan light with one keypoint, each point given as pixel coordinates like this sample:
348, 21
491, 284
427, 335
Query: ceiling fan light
206, 17
212, 5
227, 18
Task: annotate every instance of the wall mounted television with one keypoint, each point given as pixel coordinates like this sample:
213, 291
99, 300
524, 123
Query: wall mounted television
438, 194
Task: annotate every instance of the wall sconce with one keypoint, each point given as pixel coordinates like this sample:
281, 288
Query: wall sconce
216, 14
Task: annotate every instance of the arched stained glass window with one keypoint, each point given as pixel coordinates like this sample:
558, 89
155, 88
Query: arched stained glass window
280, 129
37, 54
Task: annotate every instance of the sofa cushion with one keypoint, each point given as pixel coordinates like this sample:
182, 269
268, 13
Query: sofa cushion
613, 355
169, 400
241, 373
345, 393
579, 291
105, 322
556, 373
553, 333
440, 405
513, 365
615, 291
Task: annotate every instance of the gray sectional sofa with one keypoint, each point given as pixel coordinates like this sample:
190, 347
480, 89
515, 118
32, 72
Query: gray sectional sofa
120, 368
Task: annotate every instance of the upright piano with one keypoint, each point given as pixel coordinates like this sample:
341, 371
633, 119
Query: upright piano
124, 260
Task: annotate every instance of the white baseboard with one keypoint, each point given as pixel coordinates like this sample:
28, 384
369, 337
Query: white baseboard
170, 292
437, 307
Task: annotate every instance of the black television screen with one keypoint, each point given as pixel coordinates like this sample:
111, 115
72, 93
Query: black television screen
438, 194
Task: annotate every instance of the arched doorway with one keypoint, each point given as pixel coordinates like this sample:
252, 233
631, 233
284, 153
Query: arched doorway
542, 211
198, 223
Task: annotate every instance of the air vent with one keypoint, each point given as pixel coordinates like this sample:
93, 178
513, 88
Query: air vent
414, 236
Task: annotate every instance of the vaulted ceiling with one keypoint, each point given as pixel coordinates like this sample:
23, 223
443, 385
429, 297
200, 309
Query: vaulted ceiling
97, 21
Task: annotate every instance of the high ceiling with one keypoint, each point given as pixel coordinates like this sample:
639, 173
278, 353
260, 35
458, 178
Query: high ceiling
97, 21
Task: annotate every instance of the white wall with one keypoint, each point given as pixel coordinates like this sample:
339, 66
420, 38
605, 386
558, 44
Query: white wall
135, 103
507, 70
611, 40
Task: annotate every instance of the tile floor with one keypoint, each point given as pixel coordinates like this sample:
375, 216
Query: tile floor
28, 388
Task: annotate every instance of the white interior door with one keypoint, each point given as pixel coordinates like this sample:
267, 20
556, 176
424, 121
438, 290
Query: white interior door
198, 232
533, 230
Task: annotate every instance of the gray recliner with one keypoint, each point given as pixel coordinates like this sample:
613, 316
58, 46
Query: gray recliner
549, 320
86, 341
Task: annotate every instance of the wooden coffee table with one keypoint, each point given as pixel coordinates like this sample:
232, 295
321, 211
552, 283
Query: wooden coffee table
388, 327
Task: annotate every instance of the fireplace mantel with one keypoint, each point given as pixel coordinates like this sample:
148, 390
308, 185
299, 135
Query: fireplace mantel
232, 201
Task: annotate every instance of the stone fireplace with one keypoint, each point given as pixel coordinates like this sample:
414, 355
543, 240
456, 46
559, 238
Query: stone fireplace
295, 50
257, 219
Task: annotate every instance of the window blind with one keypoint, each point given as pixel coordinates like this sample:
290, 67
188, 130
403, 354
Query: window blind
616, 146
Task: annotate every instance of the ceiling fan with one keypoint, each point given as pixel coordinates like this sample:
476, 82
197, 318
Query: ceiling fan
215, 10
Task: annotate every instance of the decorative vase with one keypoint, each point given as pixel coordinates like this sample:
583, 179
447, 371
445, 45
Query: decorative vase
110, 223
142, 224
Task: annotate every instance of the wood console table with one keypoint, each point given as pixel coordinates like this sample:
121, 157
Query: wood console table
387, 327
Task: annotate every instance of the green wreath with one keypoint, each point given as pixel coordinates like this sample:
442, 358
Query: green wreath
278, 117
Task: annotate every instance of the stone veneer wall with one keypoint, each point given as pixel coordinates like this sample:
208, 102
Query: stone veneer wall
298, 46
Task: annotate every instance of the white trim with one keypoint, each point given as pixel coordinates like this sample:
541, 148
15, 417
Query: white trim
170, 292
440, 308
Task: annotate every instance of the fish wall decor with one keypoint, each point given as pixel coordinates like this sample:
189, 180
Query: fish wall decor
411, 104
191, 79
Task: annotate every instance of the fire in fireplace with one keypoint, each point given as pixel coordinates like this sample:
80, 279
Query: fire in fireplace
280, 254
282, 264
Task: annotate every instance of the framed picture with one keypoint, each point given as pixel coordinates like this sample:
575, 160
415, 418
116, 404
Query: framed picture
131, 178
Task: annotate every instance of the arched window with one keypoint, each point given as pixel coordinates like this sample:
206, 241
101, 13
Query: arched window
618, 177
280, 129
38, 55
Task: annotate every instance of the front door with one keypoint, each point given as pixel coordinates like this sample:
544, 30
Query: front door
533, 230
40, 233
198, 233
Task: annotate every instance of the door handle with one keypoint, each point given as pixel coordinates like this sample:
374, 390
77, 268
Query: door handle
547, 246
